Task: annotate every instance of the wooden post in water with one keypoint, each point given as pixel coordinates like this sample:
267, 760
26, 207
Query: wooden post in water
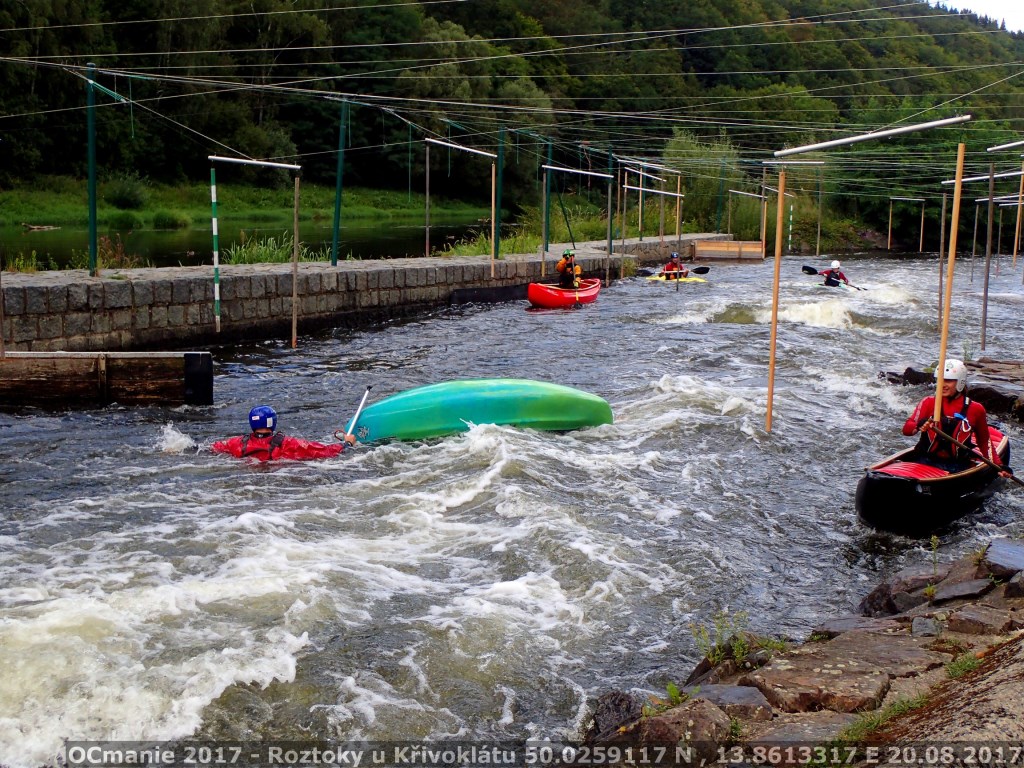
950, 262
775, 297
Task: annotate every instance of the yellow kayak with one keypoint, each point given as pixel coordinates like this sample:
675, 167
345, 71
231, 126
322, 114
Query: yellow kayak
663, 279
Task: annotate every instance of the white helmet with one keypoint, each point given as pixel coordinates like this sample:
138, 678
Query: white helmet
835, 264
954, 370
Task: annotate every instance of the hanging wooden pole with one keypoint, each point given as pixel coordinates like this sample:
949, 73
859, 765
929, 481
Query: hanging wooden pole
1020, 204
775, 297
679, 210
889, 242
950, 262
661, 215
622, 205
640, 208
764, 214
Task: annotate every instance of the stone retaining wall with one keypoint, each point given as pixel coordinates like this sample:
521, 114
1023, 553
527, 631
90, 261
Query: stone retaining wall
173, 307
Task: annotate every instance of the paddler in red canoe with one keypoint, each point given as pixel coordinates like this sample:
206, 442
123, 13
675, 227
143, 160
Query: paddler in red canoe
568, 271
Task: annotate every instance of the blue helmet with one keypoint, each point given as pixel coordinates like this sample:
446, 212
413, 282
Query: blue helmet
262, 417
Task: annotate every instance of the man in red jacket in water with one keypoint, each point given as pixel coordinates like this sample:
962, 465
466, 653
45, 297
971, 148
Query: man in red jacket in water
962, 419
265, 444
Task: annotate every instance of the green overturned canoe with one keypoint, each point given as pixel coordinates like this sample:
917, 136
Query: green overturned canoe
451, 406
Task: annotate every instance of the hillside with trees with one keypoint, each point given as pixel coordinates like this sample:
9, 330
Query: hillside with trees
705, 88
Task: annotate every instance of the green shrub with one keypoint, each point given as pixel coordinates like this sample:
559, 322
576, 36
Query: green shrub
124, 221
127, 191
170, 220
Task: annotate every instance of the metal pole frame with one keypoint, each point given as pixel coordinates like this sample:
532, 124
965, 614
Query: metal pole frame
90, 121
216, 236
339, 173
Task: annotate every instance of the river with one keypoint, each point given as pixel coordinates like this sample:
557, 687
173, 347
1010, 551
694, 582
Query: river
485, 586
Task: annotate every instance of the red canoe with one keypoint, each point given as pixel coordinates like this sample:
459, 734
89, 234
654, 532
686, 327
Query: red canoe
553, 297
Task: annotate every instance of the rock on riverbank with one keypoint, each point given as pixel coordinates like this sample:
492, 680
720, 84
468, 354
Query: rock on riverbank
996, 384
911, 633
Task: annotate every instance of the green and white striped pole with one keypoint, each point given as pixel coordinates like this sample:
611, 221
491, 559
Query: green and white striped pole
216, 239
216, 249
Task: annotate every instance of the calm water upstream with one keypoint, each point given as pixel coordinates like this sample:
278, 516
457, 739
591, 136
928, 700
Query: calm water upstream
487, 585
193, 246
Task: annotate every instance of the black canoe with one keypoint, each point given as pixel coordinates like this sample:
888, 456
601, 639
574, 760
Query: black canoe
904, 496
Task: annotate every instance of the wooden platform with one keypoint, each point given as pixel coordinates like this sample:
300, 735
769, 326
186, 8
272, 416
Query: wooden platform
728, 250
69, 379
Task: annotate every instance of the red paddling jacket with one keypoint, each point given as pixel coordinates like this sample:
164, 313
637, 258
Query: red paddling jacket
276, 446
962, 418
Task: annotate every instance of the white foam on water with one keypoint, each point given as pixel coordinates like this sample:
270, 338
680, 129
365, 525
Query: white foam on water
92, 667
831, 313
173, 441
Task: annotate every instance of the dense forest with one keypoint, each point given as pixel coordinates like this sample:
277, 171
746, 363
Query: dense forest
705, 88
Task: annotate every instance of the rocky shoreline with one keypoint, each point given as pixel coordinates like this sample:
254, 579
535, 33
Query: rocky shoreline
935, 654
996, 384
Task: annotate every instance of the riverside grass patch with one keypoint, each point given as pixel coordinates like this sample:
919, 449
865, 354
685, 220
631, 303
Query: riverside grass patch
272, 250
64, 201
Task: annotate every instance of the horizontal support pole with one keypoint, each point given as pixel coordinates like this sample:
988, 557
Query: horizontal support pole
264, 163
650, 191
460, 148
581, 173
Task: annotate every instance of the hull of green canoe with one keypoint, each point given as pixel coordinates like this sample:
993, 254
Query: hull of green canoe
452, 406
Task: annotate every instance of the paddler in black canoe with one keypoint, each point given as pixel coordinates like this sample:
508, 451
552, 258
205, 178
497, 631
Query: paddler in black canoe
568, 271
264, 444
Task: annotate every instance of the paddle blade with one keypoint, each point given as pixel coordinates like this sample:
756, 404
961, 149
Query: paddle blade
700, 270
809, 270
646, 272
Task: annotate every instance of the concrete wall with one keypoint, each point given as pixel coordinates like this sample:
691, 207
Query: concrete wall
173, 307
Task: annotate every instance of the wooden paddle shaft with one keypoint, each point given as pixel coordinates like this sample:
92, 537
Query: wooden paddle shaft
977, 455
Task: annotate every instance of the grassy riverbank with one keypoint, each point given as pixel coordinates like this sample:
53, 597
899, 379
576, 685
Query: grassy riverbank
128, 202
